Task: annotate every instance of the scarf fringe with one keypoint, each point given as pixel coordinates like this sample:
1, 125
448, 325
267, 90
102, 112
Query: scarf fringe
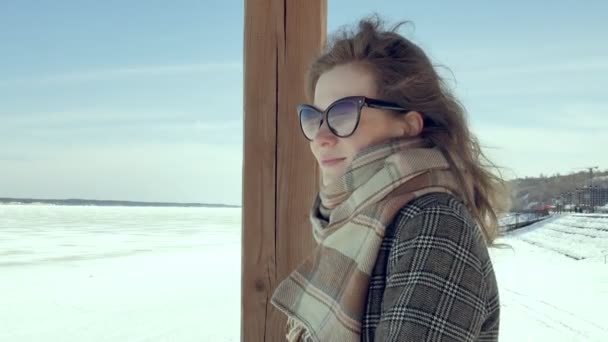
296, 332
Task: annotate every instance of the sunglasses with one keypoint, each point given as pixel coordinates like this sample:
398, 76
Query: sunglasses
342, 115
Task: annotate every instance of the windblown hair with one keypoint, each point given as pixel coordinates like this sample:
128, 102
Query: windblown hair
405, 75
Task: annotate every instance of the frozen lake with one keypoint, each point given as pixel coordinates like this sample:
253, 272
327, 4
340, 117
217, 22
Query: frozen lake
173, 274
119, 274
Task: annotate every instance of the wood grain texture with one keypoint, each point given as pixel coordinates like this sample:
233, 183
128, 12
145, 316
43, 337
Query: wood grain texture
280, 175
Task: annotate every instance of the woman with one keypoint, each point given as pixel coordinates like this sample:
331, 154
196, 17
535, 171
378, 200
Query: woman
406, 210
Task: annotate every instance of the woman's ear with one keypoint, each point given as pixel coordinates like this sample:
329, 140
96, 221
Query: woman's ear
414, 123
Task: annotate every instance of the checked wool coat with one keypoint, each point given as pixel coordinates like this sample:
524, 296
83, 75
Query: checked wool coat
433, 278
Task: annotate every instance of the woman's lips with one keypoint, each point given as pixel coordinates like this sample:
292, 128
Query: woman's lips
332, 162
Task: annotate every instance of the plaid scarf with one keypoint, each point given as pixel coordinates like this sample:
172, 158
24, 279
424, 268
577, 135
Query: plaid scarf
324, 297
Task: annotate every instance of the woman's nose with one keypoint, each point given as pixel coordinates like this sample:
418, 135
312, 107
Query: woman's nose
324, 136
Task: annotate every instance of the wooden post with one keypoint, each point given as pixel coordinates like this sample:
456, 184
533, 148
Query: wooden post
280, 175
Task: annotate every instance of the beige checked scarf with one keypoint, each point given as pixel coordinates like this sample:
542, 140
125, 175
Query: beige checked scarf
324, 298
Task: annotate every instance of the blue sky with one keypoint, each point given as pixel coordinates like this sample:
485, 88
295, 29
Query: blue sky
142, 100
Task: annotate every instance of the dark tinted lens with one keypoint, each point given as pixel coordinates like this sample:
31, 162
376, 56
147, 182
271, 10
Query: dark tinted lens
310, 120
342, 117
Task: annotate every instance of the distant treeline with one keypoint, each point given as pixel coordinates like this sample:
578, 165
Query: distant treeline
110, 203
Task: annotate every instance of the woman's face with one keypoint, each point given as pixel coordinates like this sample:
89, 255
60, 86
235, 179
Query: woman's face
375, 125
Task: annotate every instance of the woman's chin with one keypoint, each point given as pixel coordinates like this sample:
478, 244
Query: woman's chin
331, 178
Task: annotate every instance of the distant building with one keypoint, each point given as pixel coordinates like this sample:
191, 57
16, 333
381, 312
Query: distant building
584, 197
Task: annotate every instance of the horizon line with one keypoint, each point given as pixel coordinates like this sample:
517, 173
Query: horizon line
5, 199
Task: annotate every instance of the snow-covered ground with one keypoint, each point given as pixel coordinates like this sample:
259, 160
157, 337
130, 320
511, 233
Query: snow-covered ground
92, 274
554, 283
88, 274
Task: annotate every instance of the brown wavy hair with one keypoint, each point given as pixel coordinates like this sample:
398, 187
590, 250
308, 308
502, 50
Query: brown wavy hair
405, 75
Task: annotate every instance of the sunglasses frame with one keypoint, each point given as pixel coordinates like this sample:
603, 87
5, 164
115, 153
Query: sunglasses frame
360, 101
